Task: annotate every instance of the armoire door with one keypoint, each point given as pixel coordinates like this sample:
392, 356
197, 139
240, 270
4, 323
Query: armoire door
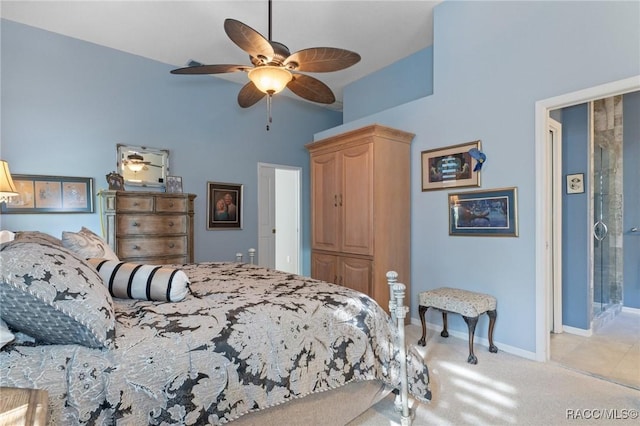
355, 201
325, 188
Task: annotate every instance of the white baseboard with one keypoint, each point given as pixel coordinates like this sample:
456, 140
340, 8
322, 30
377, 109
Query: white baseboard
479, 340
577, 331
628, 310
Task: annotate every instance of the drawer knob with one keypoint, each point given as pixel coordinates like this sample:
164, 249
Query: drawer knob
136, 247
171, 204
136, 204
170, 223
172, 245
135, 224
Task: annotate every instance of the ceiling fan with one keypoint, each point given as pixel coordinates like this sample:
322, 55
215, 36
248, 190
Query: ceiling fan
275, 68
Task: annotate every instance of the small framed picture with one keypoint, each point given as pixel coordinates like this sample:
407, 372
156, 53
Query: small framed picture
224, 206
174, 184
575, 183
115, 181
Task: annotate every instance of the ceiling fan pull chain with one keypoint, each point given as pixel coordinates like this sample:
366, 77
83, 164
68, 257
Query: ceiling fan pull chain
269, 119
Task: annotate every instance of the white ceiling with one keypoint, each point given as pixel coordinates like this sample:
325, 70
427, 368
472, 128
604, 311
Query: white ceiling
175, 32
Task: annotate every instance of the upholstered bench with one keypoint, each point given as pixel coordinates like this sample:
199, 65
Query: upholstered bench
466, 303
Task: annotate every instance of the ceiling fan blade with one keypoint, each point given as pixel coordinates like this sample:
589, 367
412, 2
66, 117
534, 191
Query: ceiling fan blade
249, 40
249, 95
311, 89
321, 59
210, 69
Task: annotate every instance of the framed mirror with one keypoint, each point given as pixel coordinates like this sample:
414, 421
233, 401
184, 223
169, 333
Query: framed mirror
143, 166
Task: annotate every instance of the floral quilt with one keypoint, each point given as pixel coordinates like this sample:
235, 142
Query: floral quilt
245, 339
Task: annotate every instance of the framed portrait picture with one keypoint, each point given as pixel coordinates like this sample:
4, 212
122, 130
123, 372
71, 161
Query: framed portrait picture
224, 206
450, 167
174, 184
484, 213
50, 194
575, 183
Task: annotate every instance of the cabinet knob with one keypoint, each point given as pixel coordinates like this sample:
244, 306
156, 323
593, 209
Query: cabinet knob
335, 200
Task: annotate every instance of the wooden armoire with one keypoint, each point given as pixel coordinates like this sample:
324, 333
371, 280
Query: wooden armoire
361, 210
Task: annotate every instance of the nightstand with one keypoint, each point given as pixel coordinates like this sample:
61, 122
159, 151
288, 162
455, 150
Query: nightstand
20, 406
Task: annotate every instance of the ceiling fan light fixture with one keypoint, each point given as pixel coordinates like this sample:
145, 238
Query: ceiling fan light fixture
269, 79
135, 162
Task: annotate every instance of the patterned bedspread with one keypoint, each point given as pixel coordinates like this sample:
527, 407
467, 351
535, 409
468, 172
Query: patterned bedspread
247, 338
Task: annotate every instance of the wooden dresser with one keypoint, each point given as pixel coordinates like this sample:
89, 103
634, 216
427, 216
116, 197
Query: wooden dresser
149, 227
361, 209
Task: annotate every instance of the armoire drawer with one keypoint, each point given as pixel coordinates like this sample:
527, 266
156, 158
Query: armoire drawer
150, 224
134, 204
148, 247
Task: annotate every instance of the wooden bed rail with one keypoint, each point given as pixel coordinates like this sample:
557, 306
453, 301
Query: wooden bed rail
398, 313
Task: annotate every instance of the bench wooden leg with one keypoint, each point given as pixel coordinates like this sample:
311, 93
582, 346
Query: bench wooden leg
471, 323
422, 310
492, 322
444, 332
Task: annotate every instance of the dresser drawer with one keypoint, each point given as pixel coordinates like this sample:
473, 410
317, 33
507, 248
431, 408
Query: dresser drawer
131, 224
148, 247
134, 204
171, 205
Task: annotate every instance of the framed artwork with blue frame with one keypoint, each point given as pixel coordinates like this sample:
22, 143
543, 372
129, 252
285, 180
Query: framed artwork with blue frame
491, 213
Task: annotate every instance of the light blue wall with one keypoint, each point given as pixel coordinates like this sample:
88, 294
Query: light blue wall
576, 303
67, 103
631, 202
401, 82
492, 62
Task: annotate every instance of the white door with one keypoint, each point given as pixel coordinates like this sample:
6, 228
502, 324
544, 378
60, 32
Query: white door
266, 215
279, 217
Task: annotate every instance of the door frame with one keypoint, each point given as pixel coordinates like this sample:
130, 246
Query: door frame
543, 221
554, 156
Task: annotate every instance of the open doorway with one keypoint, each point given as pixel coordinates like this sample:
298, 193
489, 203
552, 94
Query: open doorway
279, 217
544, 199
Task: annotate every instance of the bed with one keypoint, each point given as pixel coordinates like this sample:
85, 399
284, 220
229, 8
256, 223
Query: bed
233, 342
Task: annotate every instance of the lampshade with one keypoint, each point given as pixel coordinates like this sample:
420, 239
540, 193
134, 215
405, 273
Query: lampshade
7, 187
269, 79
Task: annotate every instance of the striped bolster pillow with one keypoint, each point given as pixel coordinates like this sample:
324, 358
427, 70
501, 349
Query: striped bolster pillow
145, 282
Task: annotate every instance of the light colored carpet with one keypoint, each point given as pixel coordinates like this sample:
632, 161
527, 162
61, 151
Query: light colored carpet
504, 389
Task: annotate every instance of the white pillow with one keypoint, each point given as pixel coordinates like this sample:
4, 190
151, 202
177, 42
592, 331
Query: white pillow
87, 244
145, 282
6, 236
6, 335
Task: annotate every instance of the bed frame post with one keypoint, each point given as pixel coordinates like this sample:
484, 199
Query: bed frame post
238, 257
398, 313
252, 253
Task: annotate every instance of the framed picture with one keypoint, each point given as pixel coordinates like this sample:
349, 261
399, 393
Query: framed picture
224, 206
115, 181
51, 194
575, 183
174, 184
450, 167
484, 213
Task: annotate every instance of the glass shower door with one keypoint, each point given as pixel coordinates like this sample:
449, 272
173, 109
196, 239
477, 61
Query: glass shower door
601, 252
